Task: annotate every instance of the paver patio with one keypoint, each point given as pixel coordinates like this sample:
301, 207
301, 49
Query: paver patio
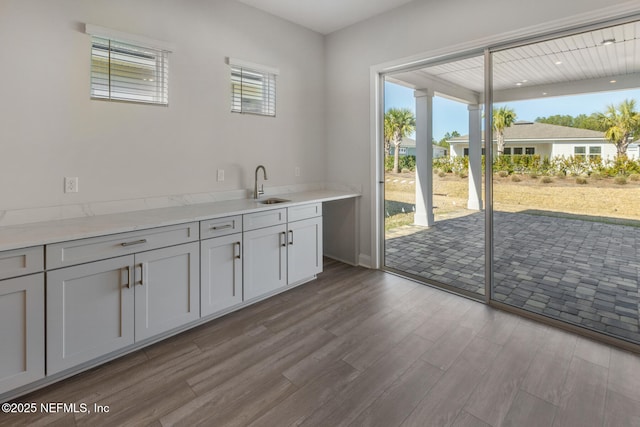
582, 272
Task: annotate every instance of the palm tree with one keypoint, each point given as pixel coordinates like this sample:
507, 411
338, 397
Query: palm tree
622, 124
388, 134
398, 123
503, 118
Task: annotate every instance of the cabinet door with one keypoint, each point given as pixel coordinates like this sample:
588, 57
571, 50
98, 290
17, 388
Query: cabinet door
89, 311
220, 273
304, 250
21, 331
265, 260
167, 293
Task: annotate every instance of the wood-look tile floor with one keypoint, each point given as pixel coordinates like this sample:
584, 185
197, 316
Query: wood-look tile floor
358, 347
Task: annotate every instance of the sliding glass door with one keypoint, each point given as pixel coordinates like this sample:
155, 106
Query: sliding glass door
558, 187
433, 182
566, 188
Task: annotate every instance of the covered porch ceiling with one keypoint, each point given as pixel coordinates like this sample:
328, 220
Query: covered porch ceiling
606, 59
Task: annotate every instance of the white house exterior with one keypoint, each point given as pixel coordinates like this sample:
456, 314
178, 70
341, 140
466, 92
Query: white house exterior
550, 141
408, 148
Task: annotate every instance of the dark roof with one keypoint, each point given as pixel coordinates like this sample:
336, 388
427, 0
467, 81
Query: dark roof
534, 130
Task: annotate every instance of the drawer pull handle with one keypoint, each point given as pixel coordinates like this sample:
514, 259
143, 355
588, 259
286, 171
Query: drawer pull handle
291, 233
283, 240
141, 281
128, 284
135, 242
239, 250
221, 227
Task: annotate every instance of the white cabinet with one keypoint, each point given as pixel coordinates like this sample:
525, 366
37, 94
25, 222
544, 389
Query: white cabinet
220, 273
116, 292
167, 291
304, 249
265, 260
281, 253
21, 330
89, 311
220, 264
304, 242
102, 306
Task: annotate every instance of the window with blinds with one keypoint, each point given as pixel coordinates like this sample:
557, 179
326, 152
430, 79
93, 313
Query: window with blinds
127, 72
253, 91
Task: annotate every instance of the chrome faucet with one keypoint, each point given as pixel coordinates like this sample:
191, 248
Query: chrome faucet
257, 193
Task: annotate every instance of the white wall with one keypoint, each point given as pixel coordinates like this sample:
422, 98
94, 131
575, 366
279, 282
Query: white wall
567, 149
49, 128
418, 27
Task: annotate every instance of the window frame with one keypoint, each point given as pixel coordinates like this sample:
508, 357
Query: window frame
260, 81
135, 62
580, 155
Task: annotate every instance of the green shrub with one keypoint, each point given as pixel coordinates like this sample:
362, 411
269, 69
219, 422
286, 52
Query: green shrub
622, 165
515, 178
546, 180
442, 174
535, 166
621, 180
404, 162
581, 180
634, 177
463, 174
388, 163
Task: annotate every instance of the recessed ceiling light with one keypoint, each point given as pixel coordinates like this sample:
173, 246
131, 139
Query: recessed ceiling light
558, 62
524, 81
518, 84
612, 81
544, 93
608, 42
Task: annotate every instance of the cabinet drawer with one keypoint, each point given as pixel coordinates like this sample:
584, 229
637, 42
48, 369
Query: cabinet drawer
20, 262
312, 210
97, 248
220, 226
263, 219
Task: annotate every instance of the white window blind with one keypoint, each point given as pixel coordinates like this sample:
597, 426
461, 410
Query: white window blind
128, 72
253, 89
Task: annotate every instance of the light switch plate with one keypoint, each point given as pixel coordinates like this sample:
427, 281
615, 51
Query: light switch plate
220, 174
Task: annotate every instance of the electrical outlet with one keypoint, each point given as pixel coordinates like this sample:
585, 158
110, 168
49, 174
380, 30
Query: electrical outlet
297, 170
70, 184
220, 174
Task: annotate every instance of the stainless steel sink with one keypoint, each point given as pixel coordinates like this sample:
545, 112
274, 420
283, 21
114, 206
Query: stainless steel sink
273, 201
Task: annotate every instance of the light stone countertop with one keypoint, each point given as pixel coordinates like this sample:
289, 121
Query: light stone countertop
42, 233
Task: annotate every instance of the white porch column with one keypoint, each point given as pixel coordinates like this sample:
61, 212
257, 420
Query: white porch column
424, 157
475, 158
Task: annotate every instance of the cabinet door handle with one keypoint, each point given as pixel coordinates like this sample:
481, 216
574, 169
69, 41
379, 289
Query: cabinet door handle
221, 227
128, 284
283, 240
291, 233
135, 242
237, 245
141, 281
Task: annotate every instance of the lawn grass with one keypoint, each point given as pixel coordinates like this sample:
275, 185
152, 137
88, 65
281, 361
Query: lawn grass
599, 199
